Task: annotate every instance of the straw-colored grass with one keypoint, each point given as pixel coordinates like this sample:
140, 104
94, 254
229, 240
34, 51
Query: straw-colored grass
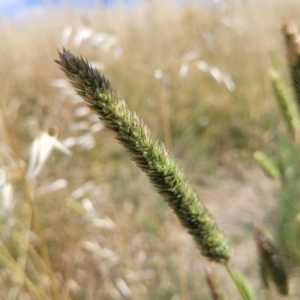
107, 233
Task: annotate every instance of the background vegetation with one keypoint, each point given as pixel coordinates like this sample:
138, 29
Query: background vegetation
198, 76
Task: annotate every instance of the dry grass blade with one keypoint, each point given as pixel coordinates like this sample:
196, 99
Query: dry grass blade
7, 260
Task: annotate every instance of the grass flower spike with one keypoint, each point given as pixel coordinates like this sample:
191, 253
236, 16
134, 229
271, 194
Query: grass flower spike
150, 155
292, 43
271, 263
287, 105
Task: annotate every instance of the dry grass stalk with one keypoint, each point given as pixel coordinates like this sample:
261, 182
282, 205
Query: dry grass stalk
34, 217
213, 284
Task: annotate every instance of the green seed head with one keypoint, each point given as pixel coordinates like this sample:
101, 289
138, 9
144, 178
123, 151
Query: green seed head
148, 153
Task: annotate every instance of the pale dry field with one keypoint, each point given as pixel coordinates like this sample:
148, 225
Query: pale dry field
198, 76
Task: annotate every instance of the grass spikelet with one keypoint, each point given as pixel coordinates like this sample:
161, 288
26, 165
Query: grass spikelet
292, 42
267, 165
150, 155
271, 263
287, 105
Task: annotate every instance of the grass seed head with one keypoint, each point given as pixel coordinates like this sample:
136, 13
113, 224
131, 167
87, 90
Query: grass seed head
271, 262
149, 154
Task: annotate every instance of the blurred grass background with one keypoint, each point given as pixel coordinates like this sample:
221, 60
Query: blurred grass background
198, 76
